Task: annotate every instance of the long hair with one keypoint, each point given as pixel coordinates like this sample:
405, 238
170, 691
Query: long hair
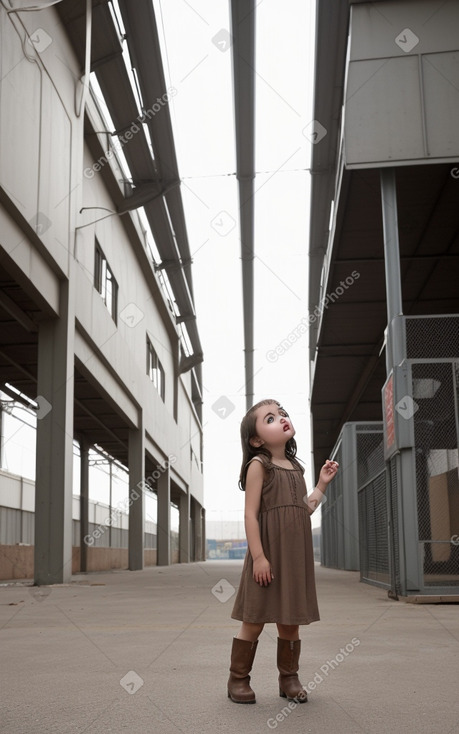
248, 431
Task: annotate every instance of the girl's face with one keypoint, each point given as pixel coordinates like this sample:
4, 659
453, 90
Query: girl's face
273, 426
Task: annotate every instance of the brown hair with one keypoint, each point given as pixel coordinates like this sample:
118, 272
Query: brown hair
248, 431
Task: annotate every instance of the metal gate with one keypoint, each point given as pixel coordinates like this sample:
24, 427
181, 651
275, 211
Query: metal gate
421, 432
401, 477
373, 510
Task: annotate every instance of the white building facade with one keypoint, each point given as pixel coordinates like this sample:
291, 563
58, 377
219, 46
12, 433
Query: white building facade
98, 329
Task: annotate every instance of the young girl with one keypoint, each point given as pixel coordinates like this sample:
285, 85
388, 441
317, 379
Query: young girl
277, 582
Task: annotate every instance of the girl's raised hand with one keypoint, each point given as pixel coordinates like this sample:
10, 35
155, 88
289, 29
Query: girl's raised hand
328, 471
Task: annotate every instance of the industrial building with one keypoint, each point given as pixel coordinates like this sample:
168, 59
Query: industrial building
98, 337
383, 297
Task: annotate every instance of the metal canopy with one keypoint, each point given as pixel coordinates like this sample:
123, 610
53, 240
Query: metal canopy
243, 32
155, 179
347, 342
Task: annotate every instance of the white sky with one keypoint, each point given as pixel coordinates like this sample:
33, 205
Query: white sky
203, 123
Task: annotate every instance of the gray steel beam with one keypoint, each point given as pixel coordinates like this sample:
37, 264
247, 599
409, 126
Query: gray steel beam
163, 525
243, 32
410, 571
184, 527
391, 244
54, 459
136, 495
84, 502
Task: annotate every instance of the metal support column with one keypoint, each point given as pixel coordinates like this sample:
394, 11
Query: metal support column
184, 528
351, 556
136, 495
198, 534
164, 520
84, 503
203, 535
395, 352
54, 460
410, 574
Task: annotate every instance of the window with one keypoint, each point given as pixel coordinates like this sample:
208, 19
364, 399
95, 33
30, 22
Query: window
155, 370
105, 283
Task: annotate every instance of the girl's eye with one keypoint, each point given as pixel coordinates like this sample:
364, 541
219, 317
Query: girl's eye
270, 419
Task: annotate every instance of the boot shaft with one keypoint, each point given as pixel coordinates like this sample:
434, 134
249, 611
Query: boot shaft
288, 656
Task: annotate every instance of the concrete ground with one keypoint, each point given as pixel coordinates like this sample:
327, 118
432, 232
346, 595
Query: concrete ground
148, 651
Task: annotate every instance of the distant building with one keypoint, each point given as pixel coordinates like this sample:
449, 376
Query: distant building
225, 549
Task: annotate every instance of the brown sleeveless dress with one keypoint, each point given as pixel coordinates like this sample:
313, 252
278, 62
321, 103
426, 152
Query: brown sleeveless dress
285, 530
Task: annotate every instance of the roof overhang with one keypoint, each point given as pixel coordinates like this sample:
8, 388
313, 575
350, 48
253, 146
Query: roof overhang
155, 183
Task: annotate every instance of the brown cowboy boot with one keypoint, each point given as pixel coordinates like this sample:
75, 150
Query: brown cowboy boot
242, 655
288, 655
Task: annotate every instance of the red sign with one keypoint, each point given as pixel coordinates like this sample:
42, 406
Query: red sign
389, 412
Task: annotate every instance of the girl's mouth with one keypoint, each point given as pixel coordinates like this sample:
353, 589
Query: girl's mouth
286, 427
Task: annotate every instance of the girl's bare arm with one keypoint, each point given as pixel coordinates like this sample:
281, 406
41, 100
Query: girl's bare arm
254, 481
327, 473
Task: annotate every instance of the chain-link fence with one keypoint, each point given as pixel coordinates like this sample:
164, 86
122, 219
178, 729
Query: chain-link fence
435, 396
432, 337
372, 502
393, 519
347, 514
332, 537
407, 478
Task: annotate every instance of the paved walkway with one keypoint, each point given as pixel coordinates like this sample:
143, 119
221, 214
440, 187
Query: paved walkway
148, 651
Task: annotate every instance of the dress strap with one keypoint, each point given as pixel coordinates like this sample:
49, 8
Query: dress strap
262, 459
256, 458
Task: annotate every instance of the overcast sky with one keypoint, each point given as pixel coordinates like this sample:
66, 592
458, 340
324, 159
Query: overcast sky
199, 66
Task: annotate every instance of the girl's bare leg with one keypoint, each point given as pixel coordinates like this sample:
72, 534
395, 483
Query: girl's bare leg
250, 631
288, 631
